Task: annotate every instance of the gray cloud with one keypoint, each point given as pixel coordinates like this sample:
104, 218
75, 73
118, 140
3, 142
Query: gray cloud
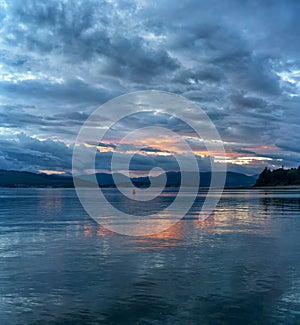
85, 31
27, 153
288, 143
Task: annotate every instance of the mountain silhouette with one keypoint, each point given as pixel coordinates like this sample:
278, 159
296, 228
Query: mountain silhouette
279, 177
28, 179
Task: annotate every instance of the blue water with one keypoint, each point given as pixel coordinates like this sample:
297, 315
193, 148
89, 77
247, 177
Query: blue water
239, 266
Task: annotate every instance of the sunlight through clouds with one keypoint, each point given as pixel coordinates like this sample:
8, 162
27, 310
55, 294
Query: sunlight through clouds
60, 60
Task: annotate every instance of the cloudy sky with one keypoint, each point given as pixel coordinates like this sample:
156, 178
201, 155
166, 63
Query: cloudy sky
60, 60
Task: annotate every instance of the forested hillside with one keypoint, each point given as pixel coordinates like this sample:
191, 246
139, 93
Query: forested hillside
279, 177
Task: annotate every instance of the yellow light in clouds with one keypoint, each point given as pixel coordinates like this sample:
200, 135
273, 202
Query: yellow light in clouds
51, 172
245, 160
105, 149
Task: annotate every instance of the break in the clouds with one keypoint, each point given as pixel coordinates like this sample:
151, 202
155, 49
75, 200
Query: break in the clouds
59, 60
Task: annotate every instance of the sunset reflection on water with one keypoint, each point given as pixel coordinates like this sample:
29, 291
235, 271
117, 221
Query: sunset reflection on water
241, 263
240, 216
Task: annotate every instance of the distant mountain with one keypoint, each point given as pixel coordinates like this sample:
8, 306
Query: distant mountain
174, 179
27, 179
239, 180
10, 178
279, 177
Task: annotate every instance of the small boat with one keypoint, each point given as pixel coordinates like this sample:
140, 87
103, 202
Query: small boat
133, 192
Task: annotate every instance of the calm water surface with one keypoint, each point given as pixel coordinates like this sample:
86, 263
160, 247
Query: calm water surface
239, 266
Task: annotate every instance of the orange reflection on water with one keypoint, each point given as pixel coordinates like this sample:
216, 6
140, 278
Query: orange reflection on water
88, 230
104, 232
174, 232
209, 222
168, 238
240, 215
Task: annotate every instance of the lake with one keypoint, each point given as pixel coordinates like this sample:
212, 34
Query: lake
239, 266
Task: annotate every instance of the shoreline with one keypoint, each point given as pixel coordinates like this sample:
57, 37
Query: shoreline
296, 187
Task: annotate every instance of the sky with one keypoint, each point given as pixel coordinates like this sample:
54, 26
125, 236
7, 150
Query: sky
238, 60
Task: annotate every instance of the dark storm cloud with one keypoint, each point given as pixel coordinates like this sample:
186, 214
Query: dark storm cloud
17, 117
239, 60
85, 31
149, 149
27, 153
136, 61
75, 91
288, 142
210, 74
64, 27
240, 100
146, 119
245, 151
146, 162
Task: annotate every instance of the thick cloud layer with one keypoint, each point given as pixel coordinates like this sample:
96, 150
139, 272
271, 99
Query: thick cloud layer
61, 59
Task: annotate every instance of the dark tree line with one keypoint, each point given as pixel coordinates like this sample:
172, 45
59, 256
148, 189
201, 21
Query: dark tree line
279, 176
